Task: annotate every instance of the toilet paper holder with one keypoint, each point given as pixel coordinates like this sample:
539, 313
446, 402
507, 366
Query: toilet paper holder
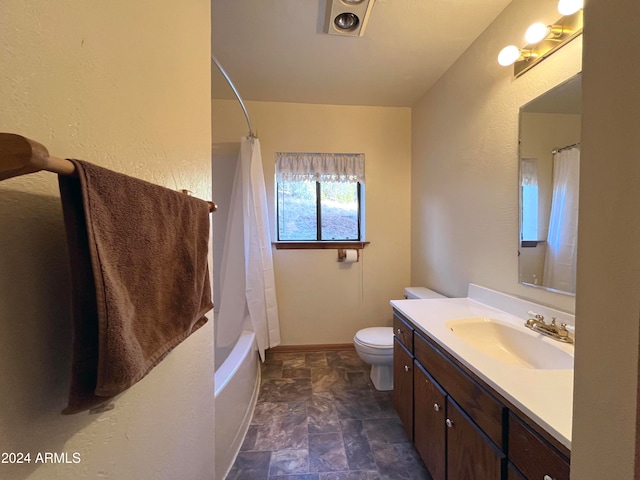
342, 254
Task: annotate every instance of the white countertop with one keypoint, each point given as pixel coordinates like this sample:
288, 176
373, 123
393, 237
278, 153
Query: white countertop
546, 396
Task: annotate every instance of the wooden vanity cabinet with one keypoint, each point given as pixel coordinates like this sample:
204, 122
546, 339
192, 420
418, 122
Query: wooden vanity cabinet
470, 453
430, 428
460, 427
403, 333
403, 373
403, 385
532, 455
448, 441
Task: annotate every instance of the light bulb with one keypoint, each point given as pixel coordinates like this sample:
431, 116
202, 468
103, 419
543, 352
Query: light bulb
508, 55
536, 32
569, 7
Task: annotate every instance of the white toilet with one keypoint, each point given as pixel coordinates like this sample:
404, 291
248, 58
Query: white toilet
375, 344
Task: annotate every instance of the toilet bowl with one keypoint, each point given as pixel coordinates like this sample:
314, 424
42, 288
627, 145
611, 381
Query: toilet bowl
374, 346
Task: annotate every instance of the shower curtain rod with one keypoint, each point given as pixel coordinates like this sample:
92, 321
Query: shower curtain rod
559, 149
20, 155
235, 91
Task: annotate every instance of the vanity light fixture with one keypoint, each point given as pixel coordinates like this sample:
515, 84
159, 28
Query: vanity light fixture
347, 17
542, 40
569, 7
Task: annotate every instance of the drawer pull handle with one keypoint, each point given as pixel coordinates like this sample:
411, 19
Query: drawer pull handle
449, 423
436, 407
406, 367
548, 477
399, 331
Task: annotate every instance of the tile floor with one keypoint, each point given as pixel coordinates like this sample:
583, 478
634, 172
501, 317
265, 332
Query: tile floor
318, 417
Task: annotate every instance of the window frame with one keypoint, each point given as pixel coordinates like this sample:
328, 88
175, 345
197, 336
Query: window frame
319, 242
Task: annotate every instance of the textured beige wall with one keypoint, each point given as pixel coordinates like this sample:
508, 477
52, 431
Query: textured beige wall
125, 85
605, 426
321, 300
465, 162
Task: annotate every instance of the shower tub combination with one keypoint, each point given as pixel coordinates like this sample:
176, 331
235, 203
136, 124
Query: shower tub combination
240, 240
237, 383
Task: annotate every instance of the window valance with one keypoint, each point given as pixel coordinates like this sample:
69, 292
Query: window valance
320, 167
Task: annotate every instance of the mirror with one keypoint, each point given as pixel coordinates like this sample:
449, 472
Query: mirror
549, 166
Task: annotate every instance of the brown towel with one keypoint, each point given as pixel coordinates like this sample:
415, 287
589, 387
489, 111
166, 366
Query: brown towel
140, 277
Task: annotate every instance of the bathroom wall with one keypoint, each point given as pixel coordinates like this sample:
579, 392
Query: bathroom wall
125, 85
464, 178
320, 300
464, 220
606, 421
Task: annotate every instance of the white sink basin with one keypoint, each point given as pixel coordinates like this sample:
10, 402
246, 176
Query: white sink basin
511, 345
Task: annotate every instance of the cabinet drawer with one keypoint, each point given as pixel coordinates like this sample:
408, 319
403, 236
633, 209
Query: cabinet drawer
532, 455
481, 407
403, 332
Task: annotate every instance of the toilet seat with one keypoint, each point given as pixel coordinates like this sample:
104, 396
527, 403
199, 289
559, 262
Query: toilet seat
375, 340
380, 337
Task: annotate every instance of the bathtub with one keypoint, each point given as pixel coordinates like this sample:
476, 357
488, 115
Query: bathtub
237, 383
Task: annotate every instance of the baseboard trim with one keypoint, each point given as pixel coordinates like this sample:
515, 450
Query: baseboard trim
312, 348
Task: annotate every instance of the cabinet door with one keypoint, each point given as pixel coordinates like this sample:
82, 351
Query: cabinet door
532, 455
429, 415
403, 385
470, 453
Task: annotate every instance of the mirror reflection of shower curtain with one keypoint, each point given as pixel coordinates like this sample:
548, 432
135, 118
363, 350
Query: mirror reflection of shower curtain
562, 241
248, 292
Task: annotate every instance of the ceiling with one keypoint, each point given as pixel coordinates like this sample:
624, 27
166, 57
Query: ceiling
276, 50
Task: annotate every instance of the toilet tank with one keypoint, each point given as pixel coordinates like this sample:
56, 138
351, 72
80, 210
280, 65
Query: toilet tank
421, 292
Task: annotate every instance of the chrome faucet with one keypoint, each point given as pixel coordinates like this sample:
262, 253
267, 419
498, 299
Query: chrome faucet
551, 330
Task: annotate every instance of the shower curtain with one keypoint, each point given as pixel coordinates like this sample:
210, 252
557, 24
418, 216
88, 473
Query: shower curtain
562, 240
248, 292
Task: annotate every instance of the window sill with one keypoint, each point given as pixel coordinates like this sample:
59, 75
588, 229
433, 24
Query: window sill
530, 243
319, 245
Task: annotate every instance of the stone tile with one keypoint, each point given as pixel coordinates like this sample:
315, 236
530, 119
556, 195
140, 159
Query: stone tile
356, 445
325, 379
265, 411
288, 462
296, 372
253, 465
316, 359
283, 432
322, 416
384, 431
358, 404
359, 379
349, 360
271, 370
399, 461
249, 442
324, 411
360, 475
285, 390
326, 453
302, 476
385, 401
288, 359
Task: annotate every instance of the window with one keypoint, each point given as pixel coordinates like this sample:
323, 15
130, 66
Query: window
529, 200
319, 197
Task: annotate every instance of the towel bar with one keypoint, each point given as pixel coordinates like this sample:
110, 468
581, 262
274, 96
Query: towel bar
20, 156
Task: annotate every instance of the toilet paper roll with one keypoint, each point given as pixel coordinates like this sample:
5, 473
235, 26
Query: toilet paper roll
351, 256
